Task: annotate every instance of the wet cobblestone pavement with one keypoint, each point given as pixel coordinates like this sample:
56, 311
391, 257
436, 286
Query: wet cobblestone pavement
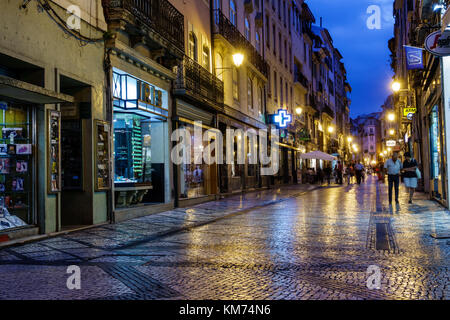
297, 242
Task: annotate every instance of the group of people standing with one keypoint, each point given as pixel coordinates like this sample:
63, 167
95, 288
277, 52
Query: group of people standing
408, 169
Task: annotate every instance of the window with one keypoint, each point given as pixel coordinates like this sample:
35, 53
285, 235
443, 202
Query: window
280, 46
267, 32
260, 100
275, 89
281, 91
305, 53
219, 66
233, 13
249, 93
279, 9
287, 94
247, 29
205, 57
192, 46
258, 41
285, 54
274, 40
235, 83
284, 12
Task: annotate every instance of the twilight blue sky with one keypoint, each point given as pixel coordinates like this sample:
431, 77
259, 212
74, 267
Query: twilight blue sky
365, 51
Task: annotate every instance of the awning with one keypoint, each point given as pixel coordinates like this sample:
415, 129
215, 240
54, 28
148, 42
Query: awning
24, 91
318, 155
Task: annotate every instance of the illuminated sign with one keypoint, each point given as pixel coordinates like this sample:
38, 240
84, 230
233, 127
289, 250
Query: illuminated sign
414, 57
407, 111
438, 43
149, 94
390, 143
282, 118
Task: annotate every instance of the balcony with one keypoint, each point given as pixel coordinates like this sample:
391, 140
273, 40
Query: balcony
226, 29
326, 109
198, 83
300, 78
156, 23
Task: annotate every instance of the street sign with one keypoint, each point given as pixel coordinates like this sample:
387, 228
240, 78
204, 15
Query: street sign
282, 118
390, 143
406, 111
438, 43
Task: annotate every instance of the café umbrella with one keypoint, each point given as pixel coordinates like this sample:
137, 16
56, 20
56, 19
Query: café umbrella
318, 155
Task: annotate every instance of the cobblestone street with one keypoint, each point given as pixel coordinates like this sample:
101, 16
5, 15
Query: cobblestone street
297, 242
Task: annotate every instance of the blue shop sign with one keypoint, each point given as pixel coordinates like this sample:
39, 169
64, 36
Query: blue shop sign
414, 58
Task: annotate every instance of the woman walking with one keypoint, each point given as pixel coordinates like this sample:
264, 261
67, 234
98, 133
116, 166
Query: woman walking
409, 175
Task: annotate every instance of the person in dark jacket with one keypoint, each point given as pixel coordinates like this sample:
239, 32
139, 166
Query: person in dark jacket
409, 175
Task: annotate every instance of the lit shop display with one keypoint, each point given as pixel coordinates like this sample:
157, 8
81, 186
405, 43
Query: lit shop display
16, 167
193, 176
140, 135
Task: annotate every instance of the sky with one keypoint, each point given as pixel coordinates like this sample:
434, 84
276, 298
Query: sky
365, 51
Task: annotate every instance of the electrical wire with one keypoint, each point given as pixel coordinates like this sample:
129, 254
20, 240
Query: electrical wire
62, 24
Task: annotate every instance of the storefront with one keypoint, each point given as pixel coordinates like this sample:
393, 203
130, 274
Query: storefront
236, 177
437, 160
140, 138
21, 114
16, 166
197, 181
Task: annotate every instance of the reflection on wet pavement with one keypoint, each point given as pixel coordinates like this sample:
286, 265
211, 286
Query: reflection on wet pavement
296, 242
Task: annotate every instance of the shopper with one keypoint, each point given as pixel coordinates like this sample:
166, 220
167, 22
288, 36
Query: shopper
358, 172
393, 166
327, 172
409, 175
339, 170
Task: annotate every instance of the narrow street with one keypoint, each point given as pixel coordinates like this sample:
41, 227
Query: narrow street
296, 242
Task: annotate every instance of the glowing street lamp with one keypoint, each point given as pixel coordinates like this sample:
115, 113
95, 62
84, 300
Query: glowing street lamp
349, 139
391, 116
385, 152
391, 132
238, 58
298, 110
330, 129
396, 86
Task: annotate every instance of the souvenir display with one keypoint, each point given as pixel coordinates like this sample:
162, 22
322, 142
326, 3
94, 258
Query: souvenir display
16, 167
102, 132
54, 159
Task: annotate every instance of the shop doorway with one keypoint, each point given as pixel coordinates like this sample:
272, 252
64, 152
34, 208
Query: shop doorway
75, 200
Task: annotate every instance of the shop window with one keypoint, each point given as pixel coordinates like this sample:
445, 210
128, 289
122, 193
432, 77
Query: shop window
16, 166
194, 177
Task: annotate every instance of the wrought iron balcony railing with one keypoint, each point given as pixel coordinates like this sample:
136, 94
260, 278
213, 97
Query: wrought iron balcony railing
328, 110
224, 27
198, 82
159, 15
300, 78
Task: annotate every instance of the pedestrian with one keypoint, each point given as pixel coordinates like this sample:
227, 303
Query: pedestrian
409, 175
358, 172
393, 167
327, 172
340, 170
320, 175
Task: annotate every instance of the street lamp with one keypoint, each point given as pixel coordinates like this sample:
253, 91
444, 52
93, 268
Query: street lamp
391, 116
385, 152
330, 129
298, 110
391, 132
238, 58
396, 86
349, 139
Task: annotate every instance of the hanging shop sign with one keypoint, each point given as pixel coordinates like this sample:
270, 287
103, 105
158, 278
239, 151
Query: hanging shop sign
409, 112
414, 57
282, 118
390, 143
438, 43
